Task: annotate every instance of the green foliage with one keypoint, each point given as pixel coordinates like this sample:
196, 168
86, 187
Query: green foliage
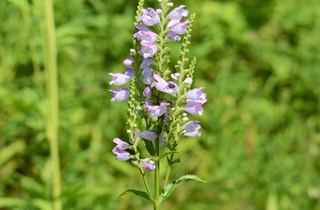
139, 193
260, 142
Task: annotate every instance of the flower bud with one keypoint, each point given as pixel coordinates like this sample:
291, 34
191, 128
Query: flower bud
170, 4
184, 114
159, 11
128, 131
188, 81
132, 50
128, 62
185, 119
177, 75
173, 77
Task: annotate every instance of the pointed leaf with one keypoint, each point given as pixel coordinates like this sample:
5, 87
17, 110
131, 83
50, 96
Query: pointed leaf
149, 146
139, 193
168, 190
168, 153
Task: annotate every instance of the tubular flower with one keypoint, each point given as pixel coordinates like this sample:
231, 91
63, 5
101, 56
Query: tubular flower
148, 76
119, 150
173, 36
178, 12
194, 107
145, 35
149, 135
120, 95
121, 79
157, 110
146, 63
147, 91
149, 17
180, 28
196, 94
191, 128
148, 164
148, 50
163, 86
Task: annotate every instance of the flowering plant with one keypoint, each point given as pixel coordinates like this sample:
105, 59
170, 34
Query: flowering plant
154, 121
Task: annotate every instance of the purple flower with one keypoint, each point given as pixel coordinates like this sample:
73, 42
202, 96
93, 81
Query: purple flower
173, 36
149, 17
157, 110
149, 135
148, 76
172, 23
161, 140
121, 144
119, 149
180, 28
128, 62
196, 94
148, 50
146, 63
194, 107
163, 86
191, 128
121, 79
121, 155
178, 13
147, 164
120, 95
145, 35
147, 103
147, 91
188, 81
159, 11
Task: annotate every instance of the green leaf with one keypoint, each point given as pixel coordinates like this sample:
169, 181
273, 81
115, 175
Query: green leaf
176, 161
168, 153
149, 147
168, 190
139, 193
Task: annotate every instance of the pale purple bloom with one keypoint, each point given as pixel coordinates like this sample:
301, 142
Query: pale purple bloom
191, 128
121, 144
147, 103
148, 76
119, 149
173, 36
178, 13
147, 91
148, 164
188, 81
161, 140
163, 86
149, 135
177, 75
128, 62
157, 110
120, 95
149, 17
159, 11
172, 23
196, 94
180, 28
146, 63
194, 107
145, 35
121, 79
121, 155
148, 50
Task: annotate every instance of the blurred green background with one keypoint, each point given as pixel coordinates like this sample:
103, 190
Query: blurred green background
260, 146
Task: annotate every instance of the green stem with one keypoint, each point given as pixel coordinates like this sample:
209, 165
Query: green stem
52, 86
145, 182
168, 173
157, 170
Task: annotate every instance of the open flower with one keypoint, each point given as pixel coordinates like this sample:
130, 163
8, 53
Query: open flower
173, 36
148, 50
163, 86
149, 17
157, 110
145, 35
146, 63
191, 128
196, 94
149, 135
121, 79
119, 150
194, 107
179, 28
178, 12
147, 91
148, 164
120, 95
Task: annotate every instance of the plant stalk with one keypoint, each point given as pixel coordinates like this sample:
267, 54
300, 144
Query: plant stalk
52, 88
